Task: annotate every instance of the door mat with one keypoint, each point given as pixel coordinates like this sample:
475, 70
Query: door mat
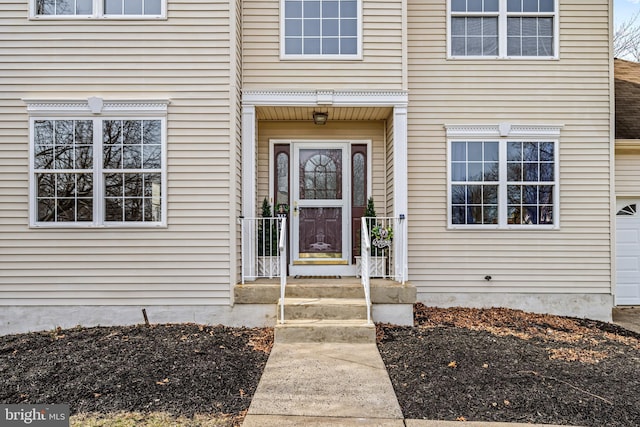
318, 277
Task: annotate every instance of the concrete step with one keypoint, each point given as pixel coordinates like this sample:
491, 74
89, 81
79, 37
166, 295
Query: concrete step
324, 308
314, 330
267, 291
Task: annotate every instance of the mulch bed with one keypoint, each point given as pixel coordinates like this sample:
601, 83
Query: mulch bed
455, 364
179, 369
512, 366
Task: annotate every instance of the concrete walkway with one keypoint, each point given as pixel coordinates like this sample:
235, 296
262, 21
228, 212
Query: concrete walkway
628, 317
331, 384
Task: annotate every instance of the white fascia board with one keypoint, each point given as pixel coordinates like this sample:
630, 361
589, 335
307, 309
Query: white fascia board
337, 98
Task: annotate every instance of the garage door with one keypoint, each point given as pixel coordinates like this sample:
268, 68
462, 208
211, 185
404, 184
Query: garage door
628, 253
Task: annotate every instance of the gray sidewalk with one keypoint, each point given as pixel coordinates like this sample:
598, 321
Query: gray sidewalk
331, 384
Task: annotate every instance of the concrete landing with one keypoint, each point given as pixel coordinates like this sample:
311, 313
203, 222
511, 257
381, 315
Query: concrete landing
324, 384
628, 317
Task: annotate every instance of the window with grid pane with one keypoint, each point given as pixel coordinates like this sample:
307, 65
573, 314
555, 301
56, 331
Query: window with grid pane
502, 184
503, 28
474, 182
98, 8
321, 27
98, 171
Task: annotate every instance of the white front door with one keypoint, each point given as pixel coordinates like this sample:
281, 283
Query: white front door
321, 238
628, 252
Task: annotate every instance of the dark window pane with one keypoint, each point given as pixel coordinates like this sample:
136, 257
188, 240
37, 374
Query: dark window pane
330, 27
475, 151
546, 6
330, 9
458, 194
113, 210
458, 5
311, 9
514, 151
491, 171
530, 5
490, 194
293, 46
133, 7
459, 171
490, 215
490, 5
311, 27
113, 7
311, 46
459, 151
292, 9
349, 46
474, 5
152, 7
475, 172
491, 151
546, 172
514, 194
331, 46
132, 157
348, 28
514, 5
152, 157
458, 215
348, 9
113, 185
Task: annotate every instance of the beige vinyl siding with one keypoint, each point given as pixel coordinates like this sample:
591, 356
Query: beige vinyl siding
628, 174
333, 130
184, 59
380, 66
572, 91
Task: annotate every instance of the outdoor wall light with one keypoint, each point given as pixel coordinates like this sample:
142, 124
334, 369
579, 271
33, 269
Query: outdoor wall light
320, 118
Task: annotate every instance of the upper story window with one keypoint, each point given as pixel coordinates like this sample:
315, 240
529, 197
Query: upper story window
321, 29
98, 170
137, 9
503, 29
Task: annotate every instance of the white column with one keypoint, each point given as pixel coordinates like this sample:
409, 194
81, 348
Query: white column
400, 185
249, 166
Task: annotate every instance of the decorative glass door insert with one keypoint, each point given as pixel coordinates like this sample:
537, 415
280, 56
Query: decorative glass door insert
319, 204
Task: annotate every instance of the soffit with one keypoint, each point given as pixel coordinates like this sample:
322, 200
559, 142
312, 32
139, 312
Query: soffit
335, 113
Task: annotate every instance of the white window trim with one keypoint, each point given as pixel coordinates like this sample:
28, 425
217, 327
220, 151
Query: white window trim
96, 109
98, 13
296, 57
503, 133
502, 32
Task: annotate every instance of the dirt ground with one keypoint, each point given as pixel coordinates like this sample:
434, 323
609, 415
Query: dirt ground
455, 364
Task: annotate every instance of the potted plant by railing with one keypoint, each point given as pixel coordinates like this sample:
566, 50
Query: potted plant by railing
380, 237
268, 263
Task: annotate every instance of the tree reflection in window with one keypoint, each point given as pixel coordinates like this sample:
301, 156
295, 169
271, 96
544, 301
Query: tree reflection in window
131, 149
63, 163
321, 174
129, 177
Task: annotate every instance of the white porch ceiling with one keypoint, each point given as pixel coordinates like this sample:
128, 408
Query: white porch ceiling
275, 113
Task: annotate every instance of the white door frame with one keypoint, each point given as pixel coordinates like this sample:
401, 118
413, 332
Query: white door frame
298, 203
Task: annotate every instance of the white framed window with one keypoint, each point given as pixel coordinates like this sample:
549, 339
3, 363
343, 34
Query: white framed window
97, 170
498, 180
320, 29
503, 29
122, 9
